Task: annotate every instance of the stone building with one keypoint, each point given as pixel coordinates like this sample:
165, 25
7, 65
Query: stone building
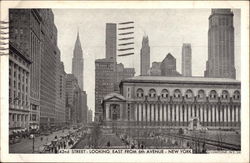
145, 56
186, 65
108, 73
24, 33
150, 102
19, 87
220, 61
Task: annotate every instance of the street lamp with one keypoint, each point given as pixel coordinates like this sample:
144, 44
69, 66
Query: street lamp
33, 146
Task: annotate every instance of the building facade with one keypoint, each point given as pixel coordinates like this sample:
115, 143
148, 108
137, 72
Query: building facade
77, 62
220, 61
145, 56
90, 115
19, 87
168, 66
49, 51
111, 41
186, 67
104, 82
175, 102
155, 70
25, 27
60, 106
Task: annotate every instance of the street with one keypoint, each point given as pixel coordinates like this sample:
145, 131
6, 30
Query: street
26, 145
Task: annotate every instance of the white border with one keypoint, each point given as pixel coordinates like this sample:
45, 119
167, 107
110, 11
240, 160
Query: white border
243, 157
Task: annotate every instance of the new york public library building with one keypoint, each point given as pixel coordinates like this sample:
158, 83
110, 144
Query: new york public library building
176, 102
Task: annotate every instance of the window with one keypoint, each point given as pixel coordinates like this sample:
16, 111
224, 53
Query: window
225, 94
213, 94
177, 93
164, 93
139, 93
236, 95
152, 93
189, 94
201, 94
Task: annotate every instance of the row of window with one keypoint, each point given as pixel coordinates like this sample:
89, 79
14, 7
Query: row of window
188, 94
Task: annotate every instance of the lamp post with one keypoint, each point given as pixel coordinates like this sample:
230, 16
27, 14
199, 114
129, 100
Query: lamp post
33, 144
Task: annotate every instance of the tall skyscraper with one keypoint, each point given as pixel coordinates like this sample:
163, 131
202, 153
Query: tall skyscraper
145, 56
186, 60
111, 39
220, 61
77, 62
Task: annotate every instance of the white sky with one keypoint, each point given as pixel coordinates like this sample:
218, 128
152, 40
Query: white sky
167, 29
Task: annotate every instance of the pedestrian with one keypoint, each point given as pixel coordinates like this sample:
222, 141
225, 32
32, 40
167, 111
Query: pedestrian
41, 138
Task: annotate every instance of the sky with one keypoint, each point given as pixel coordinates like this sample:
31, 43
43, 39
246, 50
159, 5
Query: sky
167, 30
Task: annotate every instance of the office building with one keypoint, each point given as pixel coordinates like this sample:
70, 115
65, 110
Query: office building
186, 65
220, 61
145, 56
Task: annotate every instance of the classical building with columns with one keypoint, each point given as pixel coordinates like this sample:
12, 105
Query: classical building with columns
147, 101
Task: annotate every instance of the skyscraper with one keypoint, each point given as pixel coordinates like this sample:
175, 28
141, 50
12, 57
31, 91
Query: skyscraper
220, 61
77, 62
168, 66
145, 56
186, 60
111, 39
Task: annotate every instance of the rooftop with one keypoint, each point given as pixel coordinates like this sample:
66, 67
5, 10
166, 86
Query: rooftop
181, 79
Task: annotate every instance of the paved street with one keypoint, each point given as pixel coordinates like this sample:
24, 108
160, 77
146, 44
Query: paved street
25, 146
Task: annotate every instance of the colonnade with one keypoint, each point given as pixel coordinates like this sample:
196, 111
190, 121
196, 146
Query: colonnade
177, 114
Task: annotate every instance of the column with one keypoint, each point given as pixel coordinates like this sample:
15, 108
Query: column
229, 114
225, 114
169, 116
107, 111
209, 113
213, 114
181, 113
152, 112
136, 107
233, 114
217, 114
173, 113
160, 109
165, 112
201, 113
148, 112
144, 112
177, 113
221, 116
205, 113
140, 114
189, 113
156, 112
185, 112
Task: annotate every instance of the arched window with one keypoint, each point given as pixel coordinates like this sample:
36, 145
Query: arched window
164, 93
225, 94
236, 95
189, 94
139, 93
152, 93
201, 94
177, 93
213, 94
